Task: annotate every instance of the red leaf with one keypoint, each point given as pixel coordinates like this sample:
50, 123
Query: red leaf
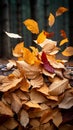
49, 35
46, 63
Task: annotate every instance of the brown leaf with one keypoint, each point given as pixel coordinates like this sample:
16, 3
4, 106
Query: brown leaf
51, 20
8, 83
30, 71
25, 85
58, 87
16, 103
61, 10
10, 124
30, 104
68, 51
37, 82
34, 123
37, 97
24, 96
31, 25
5, 110
67, 101
24, 118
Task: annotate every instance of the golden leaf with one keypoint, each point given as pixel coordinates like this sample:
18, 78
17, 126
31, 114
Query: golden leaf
51, 20
17, 51
31, 25
68, 51
61, 10
63, 41
41, 37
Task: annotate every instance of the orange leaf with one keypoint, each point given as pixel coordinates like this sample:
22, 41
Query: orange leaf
31, 25
49, 34
68, 51
63, 41
61, 10
17, 51
51, 20
41, 37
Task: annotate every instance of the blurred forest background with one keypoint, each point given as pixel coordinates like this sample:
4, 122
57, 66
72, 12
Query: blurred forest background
14, 12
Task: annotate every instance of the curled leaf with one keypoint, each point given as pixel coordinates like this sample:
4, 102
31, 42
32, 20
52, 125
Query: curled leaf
13, 35
64, 41
46, 63
61, 10
68, 51
31, 25
51, 20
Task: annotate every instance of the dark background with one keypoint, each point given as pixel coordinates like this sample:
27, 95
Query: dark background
14, 12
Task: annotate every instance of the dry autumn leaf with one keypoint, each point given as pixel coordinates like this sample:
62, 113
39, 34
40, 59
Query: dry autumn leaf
61, 10
31, 25
17, 51
63, 41
41, 37
51, 20
24, 118
58, 87
68, 51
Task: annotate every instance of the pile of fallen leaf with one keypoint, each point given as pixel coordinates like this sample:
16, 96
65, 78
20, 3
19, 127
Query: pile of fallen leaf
36, 94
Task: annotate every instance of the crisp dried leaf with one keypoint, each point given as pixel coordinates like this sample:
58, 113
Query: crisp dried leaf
24, 118
37, 97
64, 41
57, 118
13, 35
61, 10
31, 25
18, 50
30, 71
41, 37
34, 123
58, 87
37, 82
30, 104
67, 101
51, 20
68, 51
16, 103
25, 85
8, 83
46, 63
5, 110
10, 124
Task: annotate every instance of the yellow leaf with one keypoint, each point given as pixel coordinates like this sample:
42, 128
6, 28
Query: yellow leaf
31, 25
51, 19
61, 10
41, 37
64, 41
34, 50
68, 51
28, 56
17, 51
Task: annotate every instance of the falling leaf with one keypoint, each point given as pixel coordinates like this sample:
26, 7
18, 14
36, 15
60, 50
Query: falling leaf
61, 10
13, 35
41, 37
63, 34
18, 50
68, 51
49, 34
46, 63
51, 20
24, 118
31, 25
63, 41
